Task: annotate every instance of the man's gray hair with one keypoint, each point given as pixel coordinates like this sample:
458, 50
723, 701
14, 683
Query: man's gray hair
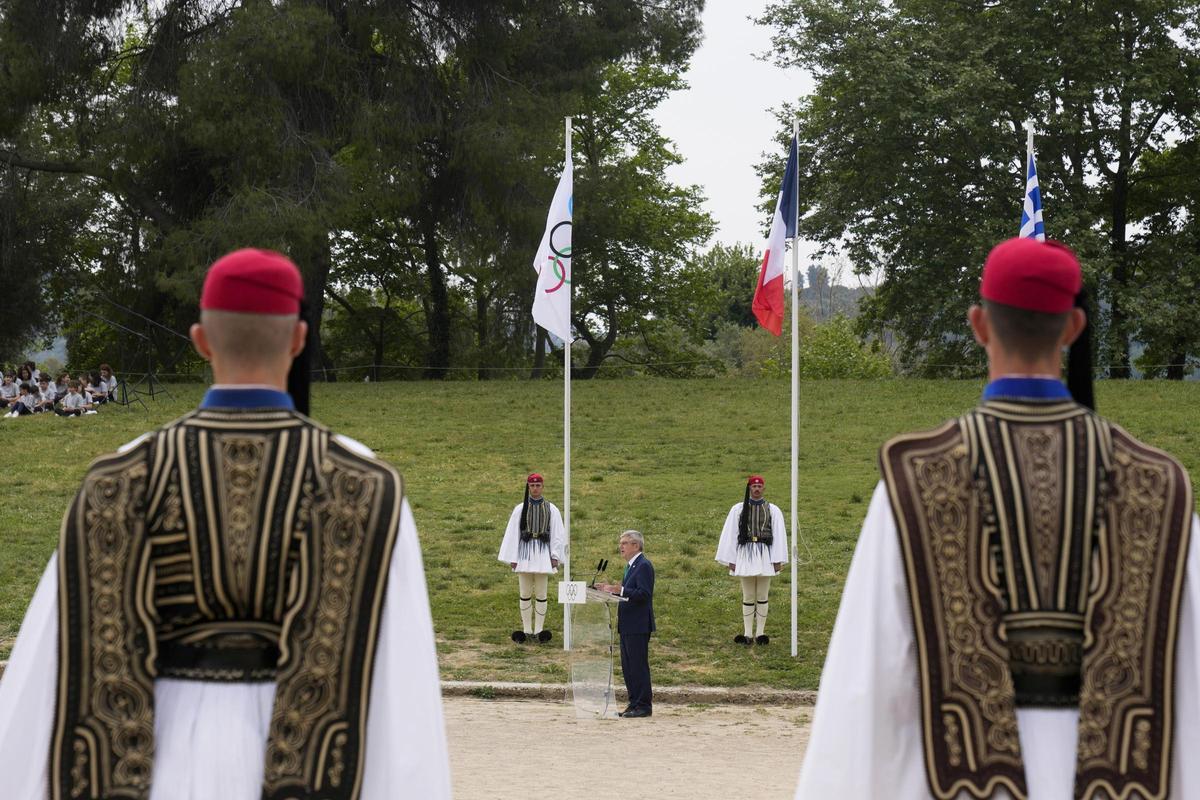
635, 537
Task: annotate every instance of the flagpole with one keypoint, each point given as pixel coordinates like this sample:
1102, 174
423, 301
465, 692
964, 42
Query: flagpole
567, 441
795, 383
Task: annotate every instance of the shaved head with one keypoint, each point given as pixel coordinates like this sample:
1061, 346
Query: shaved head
249, 339
249, 348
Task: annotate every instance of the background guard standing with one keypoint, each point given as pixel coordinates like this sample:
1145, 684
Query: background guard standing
533, 547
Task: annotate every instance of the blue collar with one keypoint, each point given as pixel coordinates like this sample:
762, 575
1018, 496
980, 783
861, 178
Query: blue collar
754, 502
250, 397
536, 499
1026, 389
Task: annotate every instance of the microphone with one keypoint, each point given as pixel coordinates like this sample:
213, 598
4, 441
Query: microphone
600, 567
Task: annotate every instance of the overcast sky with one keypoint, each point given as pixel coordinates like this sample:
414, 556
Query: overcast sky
723, 125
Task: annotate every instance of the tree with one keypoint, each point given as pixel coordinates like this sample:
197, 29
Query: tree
633, 230
726, 276
302, 125
1168, 246
911, 144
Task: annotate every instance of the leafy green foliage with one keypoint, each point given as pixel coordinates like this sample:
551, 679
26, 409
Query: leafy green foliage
833, 350
912, 147
725, 277
634, 229
404, 149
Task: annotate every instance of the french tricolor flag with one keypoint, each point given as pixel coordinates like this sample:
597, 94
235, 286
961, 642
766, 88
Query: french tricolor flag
768, 295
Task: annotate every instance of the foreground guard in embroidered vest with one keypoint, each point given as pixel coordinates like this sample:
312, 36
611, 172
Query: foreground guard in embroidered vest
1044, 551
227, 546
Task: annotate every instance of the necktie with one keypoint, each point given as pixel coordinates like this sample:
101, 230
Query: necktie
626, 575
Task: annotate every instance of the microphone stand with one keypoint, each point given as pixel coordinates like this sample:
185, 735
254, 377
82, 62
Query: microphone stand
603, 565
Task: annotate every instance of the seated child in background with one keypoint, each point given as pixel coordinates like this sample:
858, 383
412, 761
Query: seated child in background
45, 395
8, 390
25, 402
74, 404
60, 385
107, 384
25, 374
85, 387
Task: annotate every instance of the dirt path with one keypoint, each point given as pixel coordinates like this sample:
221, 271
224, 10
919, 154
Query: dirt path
693, 752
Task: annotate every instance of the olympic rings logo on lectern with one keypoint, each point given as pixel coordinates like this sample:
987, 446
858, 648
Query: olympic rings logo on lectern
559, 258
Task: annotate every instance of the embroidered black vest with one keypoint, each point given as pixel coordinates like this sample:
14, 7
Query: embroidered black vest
758, 524
535, 529
230, 546
1044, 549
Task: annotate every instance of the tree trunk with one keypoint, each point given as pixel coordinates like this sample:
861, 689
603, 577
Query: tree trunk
314, 258
1119, 365
379, 343
598, 350
1177, 363
438, 321
539, 354
481, 332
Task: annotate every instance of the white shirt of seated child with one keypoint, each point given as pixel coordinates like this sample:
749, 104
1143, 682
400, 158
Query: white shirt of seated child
73, 401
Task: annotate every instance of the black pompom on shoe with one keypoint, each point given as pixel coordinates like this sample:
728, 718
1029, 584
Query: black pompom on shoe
544, 636
763, 639
519, 637
740, 639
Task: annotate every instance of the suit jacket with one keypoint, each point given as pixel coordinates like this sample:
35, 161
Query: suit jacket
637, 615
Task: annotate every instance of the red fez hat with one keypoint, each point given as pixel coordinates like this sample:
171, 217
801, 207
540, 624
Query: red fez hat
253, 282
534, 478
755, 480
1033, 275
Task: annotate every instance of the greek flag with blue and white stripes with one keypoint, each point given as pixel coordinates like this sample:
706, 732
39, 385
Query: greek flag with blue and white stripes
1031, 214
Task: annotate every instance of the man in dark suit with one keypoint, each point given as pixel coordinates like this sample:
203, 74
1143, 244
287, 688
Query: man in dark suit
635, 623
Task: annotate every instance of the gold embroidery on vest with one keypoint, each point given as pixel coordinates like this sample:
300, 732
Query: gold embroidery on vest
241, 480
1038, 449
1118, 568
342, 517
976, 664
139, 552
118, 700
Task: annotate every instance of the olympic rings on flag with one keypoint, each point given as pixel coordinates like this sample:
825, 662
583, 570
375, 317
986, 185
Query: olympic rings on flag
560, 272
565, 253
560, 256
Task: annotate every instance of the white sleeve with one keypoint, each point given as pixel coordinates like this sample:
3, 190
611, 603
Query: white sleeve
558, 534
1185, 776
779, 540
509, 545
727, 546
866, 733
27, 694
125, 448
406, 736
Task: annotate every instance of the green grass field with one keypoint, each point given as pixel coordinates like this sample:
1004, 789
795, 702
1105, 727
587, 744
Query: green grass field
666, 457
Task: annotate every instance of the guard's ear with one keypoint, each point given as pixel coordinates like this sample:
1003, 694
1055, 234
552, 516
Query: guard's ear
1076, 321
299, 338
977, 316
200, 341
